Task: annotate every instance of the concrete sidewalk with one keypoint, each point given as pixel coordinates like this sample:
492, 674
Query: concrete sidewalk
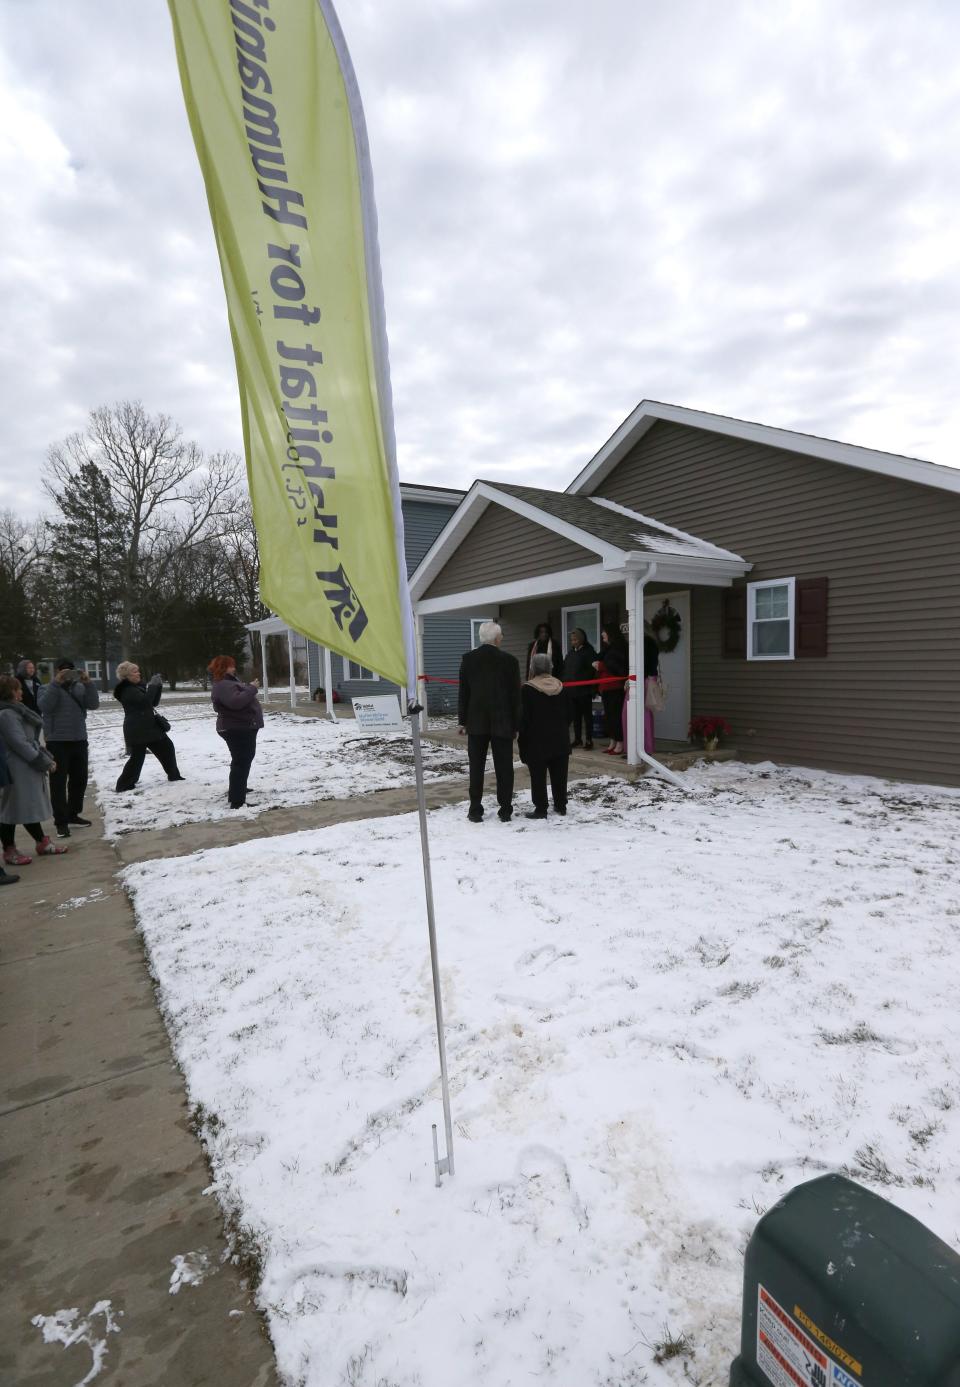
102, 1178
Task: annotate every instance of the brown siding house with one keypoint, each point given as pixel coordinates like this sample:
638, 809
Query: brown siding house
864, 545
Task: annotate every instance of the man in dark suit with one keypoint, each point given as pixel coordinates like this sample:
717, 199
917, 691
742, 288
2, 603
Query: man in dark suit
488, 711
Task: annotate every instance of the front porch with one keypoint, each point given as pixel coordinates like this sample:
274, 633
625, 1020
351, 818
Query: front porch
523, 556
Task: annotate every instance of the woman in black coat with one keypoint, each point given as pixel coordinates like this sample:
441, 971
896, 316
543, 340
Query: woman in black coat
544, 643
615, 662
544, 740
143, 730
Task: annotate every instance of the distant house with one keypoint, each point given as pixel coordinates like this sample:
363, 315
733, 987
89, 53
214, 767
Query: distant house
817, 584
426, 510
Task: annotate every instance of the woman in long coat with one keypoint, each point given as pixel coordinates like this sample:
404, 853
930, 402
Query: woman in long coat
544, 739
142, 729
26, 800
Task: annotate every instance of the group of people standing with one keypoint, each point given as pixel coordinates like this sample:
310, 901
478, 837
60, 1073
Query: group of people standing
44, 761
495, 707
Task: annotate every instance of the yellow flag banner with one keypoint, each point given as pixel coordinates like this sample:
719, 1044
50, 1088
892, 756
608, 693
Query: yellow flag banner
276, 118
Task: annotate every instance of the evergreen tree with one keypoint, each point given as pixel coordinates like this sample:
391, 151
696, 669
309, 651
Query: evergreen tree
88, 548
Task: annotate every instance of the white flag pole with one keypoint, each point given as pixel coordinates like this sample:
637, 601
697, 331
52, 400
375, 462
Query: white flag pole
443, 1165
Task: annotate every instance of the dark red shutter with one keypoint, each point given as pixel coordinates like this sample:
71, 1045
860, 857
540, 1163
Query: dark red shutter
734, 641
810, 641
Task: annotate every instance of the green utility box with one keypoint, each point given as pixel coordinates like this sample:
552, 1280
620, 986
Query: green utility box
841, 1289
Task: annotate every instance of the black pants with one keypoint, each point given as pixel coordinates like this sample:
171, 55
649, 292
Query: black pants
9, 831
163, 750
613, 713
68, 783
581, 710
557, 770
243, 748
502, 748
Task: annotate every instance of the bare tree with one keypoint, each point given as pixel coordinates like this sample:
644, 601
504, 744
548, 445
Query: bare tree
169, 497
23, 545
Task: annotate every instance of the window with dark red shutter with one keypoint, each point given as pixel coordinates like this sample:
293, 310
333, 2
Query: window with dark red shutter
810, 641
734, 640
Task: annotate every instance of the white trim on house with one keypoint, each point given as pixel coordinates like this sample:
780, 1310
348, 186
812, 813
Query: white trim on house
436, 495
544, 584
648, 412
752, 588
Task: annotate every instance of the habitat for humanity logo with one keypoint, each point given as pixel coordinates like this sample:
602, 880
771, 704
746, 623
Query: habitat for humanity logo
311, 489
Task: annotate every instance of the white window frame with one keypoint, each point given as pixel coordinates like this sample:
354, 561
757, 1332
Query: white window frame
93, 669
752, 590
578, 607
361, 678
475, 623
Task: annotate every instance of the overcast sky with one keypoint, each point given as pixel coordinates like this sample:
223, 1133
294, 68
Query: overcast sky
751, 208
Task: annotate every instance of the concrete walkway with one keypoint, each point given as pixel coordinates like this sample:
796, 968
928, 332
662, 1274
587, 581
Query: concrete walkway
102, 1179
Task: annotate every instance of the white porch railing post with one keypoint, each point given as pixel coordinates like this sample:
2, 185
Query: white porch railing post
263, 661
328, 683
635, 666
420, 689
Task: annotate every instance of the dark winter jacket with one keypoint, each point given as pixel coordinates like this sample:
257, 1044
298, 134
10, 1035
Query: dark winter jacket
238, 707
556, 654
615, 662
544, 721
651, 657
578, 664
64, 708
30, 685
489, 699
140, 725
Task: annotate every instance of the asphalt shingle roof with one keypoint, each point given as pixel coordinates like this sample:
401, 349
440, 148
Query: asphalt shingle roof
614, 524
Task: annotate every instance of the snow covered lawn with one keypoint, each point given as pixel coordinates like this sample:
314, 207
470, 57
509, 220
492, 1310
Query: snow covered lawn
663, 1012
299, 760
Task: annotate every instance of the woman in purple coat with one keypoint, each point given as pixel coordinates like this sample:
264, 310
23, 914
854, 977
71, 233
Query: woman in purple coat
239, 719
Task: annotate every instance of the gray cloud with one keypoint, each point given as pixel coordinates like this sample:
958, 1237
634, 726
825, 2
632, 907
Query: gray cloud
741, 208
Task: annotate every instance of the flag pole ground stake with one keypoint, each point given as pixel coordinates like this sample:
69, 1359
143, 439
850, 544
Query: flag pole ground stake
442, 1165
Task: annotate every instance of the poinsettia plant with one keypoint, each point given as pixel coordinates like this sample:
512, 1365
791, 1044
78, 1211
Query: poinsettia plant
707, 728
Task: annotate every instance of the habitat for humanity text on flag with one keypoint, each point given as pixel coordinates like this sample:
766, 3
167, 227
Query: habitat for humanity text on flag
279, 130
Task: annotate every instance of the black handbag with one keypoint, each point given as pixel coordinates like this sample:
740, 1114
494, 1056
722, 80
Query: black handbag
162, 723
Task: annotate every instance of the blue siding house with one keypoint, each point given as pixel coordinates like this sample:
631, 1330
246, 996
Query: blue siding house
426, 510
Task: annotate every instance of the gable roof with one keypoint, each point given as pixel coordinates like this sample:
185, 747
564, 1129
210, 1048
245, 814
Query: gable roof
612, 532
648, 412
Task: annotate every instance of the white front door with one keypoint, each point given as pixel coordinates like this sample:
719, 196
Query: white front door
671, 724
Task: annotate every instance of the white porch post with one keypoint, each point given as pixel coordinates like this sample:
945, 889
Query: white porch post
293, 677
420, 690
263, 661
634, 600
328, 682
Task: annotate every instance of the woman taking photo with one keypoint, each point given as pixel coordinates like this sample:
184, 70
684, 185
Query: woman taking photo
613, 662
239, 719
26, 799
143, 728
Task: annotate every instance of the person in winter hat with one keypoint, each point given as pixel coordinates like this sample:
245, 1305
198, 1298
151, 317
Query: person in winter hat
239, 719
143, 730
26, 800
64, 704
26, 672
544, 742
